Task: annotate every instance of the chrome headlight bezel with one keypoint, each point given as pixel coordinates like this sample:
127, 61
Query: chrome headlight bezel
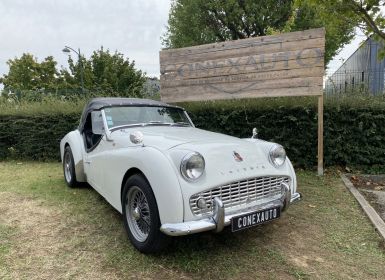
277, 155
184, 170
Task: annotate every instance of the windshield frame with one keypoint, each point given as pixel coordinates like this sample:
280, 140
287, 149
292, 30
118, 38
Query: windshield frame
114, 128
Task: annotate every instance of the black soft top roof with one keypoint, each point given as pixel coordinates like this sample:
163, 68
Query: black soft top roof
104, 102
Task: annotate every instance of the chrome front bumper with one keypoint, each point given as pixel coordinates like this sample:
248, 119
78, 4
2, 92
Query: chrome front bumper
219, 220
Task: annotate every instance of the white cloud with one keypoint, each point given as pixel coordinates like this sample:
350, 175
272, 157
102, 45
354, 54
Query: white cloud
44, 27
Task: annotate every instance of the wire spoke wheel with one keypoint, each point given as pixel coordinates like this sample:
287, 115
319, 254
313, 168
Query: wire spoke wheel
68, 167
138, 213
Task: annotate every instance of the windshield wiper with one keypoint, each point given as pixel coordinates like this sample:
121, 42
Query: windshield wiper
170, 124
125, 126
149, 123
181, 124
157, 123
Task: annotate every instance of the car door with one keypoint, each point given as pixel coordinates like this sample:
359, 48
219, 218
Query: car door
95, 152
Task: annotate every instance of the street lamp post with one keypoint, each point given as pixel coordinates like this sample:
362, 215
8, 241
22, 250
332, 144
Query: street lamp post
68, 50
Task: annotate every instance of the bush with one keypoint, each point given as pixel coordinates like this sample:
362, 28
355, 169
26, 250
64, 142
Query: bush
354, 131
33, 130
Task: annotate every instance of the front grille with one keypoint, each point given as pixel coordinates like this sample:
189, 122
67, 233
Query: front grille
239, 192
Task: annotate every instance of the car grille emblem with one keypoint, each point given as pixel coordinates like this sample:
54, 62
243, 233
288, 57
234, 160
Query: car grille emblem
237, 156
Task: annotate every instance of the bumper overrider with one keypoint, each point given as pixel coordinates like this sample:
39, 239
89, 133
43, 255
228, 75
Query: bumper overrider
219, 219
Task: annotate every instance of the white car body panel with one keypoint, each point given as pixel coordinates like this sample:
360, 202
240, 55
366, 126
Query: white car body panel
158, 158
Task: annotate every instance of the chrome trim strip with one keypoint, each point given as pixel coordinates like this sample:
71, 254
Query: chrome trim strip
296, 197
241, 192
188, 227
287, 197
219, 220
207, 224
219, 214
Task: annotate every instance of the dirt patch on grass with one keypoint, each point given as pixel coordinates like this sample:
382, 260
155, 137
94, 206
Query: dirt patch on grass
43, 246
372, 187
370, 182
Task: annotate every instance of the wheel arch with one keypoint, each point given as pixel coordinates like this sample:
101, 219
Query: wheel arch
75, 142
66, 145
155, 240
130, 172
166, 189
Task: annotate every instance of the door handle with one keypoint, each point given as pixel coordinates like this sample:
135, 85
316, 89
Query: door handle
88, 161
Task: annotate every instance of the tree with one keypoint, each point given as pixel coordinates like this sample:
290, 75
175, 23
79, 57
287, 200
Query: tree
106, 72
26, 73
151, 87
308, 14
206, 21
365, 14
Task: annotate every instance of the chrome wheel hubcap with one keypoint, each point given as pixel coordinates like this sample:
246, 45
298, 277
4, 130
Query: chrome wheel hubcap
138, 213
67, 167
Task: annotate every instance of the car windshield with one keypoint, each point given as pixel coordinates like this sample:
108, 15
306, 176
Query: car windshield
145, 115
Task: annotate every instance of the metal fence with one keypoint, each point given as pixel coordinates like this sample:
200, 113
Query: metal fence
354, 82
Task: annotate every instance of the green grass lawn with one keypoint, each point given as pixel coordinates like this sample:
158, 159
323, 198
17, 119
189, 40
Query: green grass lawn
48, 231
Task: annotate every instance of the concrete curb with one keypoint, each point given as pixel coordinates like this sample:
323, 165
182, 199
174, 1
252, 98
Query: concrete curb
376, 220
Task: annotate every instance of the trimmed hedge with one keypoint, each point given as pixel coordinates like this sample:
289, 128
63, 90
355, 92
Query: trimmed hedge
354, 129
354, 133
33, 130
34, 137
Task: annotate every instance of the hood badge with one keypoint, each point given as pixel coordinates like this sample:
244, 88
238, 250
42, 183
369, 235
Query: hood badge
237, 156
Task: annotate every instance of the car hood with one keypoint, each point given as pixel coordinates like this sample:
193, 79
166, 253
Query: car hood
218, 150
215, 147
165, 138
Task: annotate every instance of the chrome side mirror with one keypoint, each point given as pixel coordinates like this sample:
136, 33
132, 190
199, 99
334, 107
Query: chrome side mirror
136, 137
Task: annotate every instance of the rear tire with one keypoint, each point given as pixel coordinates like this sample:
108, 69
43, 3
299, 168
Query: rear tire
141, 216
69, 168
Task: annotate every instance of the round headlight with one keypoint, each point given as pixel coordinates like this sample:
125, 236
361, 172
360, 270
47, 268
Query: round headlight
192, 166
277, 155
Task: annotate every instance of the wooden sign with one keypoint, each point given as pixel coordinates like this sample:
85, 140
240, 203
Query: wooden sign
289, 64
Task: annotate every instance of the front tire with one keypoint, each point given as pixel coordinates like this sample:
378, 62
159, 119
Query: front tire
69, 168
141, 216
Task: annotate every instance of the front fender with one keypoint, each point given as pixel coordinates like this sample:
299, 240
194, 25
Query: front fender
293, 176
159, 172
75, 141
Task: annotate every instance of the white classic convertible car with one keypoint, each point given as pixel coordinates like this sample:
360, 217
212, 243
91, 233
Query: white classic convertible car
169, 178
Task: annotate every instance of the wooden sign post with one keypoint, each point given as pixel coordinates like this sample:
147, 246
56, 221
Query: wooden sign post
289, 64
